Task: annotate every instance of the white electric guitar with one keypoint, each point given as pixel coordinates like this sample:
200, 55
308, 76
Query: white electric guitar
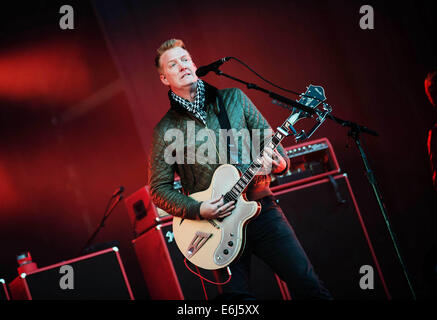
214, 244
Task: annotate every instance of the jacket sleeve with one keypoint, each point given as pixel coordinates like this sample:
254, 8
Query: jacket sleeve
161, 178
255, 120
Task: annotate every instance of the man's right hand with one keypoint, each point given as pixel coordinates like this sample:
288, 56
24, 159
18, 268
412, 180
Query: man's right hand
216, 208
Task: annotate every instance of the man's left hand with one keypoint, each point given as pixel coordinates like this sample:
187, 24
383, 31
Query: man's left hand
272, 162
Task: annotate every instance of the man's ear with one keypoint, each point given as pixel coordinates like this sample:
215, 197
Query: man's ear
163, 79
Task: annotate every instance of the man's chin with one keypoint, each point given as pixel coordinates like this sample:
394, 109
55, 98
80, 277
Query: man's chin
189, 82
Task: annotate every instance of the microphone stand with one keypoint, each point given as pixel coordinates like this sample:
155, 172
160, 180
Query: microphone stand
354, 132
108, 212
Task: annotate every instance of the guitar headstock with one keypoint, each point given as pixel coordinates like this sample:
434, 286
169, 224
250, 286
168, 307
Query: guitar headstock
313, 96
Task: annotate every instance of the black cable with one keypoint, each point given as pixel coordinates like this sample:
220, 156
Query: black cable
271, 83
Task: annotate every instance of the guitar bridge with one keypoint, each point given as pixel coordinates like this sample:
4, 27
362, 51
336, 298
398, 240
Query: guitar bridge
198, 241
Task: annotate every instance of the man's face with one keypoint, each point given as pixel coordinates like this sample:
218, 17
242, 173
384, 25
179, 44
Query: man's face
177, 69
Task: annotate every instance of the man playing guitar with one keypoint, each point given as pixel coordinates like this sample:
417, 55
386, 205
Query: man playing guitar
196, 104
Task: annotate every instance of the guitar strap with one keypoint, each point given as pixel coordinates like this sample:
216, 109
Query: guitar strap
223, 119
223, 115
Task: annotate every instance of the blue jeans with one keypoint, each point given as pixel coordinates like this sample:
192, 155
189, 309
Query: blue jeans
271, 238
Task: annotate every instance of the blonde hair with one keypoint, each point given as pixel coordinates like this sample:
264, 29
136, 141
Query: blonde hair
167, 45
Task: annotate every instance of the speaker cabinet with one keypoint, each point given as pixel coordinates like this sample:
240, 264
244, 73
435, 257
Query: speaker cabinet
328, 224
95, 276
168, 278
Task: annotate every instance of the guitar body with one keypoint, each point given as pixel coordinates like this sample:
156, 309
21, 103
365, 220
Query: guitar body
214, 244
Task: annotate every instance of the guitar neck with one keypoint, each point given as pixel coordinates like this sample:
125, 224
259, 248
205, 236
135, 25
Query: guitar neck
256, 165
312, 98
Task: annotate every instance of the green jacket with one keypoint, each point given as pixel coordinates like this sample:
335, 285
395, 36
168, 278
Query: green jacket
196, 175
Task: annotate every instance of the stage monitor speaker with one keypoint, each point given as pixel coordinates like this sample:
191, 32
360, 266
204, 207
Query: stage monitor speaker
168, 278
96, 276
143, 214
328, 223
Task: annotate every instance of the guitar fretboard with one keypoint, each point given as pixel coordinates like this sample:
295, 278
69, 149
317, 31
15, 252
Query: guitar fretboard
312, 98
255, 166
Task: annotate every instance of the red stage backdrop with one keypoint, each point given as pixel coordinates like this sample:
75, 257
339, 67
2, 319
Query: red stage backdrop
78, 107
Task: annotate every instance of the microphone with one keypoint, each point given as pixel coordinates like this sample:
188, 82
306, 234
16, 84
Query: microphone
203, 71
118, 191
